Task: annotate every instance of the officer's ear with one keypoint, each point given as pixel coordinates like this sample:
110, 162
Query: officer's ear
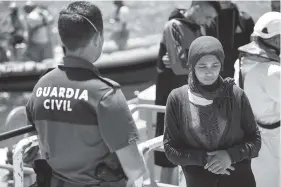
101, 38
97, 40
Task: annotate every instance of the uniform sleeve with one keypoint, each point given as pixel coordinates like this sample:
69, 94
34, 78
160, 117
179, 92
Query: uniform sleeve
115, 121
176, 149
28, 109
251, 144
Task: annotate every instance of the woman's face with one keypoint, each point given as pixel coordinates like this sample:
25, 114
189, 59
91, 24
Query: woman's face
207, 69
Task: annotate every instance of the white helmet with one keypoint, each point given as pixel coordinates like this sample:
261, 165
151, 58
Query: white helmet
270, 21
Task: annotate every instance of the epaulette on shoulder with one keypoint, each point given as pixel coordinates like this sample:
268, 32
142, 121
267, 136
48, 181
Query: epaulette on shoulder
46, 72
110, 82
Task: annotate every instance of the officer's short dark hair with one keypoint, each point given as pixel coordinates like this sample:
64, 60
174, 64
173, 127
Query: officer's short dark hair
214, 4
74, 30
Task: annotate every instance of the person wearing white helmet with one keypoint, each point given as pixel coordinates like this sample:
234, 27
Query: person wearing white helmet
258, 72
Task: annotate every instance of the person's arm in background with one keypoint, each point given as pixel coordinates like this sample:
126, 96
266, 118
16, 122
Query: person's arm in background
175, 148
33, 22
251, 145
49, 17
38, 19
174, 43
23, 20
120, 133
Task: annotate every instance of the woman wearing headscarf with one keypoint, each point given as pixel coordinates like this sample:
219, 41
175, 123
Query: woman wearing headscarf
210, 129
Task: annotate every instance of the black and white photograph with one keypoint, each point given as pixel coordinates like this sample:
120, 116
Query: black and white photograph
140, 93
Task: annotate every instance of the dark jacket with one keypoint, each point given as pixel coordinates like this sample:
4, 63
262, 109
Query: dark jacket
176, 14
241, 138
233, 28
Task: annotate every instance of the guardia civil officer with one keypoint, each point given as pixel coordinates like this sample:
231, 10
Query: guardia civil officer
86, 133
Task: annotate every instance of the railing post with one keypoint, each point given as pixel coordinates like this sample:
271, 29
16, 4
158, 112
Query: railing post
150, 134
18, 160
181, 178
147, 97
149, 112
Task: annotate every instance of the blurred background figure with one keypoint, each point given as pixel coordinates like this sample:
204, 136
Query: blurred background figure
120, 9
120, 20
233, 28
18, 35
258, 73
6, 28
275, 5
39, 43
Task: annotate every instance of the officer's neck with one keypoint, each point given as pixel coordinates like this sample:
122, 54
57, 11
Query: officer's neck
84, 54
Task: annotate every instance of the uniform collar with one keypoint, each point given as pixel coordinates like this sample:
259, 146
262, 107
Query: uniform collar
77, 62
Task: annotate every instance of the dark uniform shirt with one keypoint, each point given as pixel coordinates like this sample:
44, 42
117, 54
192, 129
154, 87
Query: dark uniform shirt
80, 118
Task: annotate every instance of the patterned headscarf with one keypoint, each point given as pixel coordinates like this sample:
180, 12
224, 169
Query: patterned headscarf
222, 94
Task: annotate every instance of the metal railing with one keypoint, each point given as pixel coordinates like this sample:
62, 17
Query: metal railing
149, 111
145, 147
18, 160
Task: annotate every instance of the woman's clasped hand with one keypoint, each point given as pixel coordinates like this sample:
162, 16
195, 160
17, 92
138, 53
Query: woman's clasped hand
219, 162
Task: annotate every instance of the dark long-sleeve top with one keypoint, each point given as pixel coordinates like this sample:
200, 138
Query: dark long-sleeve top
241, 137
177, 36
